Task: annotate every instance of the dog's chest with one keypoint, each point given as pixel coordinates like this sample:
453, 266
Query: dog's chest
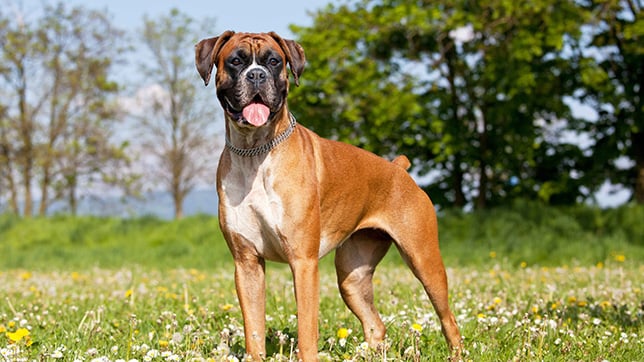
254, 210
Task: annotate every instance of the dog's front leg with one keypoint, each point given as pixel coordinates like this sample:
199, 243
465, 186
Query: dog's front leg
250, 284
306, 283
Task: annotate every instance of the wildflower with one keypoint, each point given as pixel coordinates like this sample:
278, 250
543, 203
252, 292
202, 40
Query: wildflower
620, 258
76, 276
128, 293
343, 333
2, 328
605, 304
597, 321
226, 307
163, 344
582, 303
600, 265
480, 316
417, 327
18, 335
523, 265
492, 254
26, 276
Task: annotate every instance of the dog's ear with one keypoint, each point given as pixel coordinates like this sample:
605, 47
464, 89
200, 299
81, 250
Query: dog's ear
206, 52
294, 55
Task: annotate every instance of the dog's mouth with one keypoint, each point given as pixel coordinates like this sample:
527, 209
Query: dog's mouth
256, 113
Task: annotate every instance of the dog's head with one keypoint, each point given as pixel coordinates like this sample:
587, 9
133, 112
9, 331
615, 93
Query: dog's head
251, 78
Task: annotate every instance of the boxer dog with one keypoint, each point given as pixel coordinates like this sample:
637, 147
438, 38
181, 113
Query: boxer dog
287, 195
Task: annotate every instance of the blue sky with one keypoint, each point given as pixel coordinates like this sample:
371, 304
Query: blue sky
238, 15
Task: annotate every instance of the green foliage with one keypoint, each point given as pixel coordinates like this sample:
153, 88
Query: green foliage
70, 242
523, 232
487, 106
533, 233
613, 86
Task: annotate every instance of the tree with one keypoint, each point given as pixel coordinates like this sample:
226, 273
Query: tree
81, 48
612, 83
19, 49
177, 127
473, 110
57, 129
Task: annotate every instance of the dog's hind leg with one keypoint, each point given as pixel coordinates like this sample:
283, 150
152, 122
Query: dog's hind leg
355, 263
424, 258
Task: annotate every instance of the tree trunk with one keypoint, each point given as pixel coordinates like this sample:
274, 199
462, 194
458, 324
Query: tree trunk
178, 206
457, 173
7, 170
638, 152
72, 197
457, 183
481, 199
26, 153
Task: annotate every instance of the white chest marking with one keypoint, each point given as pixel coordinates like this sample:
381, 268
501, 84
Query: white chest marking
253, 209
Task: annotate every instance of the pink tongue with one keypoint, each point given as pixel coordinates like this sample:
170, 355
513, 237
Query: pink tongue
256, 113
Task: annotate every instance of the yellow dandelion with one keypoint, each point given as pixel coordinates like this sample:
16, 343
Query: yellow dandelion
343, 333
26, 276
226, 307
582, 303
605, 304
163, 344
2, 328
417, 327
128, 293
492, 254
554, 306
572, 300
18, 335
523, 265
11, 324
600, 265
497, 300
76, 276
620, 258
535, 308
480, 316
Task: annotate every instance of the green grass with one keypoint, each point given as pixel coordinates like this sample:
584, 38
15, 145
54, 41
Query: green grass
527, 283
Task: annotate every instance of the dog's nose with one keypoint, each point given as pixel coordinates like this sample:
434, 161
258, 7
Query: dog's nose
256, 76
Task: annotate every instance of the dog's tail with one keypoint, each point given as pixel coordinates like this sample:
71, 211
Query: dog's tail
402, 161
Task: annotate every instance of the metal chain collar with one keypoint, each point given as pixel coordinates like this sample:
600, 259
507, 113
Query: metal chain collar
256, 151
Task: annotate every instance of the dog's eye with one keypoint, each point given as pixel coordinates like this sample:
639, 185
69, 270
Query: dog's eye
236, 61
273, 62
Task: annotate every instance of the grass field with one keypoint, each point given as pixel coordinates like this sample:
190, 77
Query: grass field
523, 288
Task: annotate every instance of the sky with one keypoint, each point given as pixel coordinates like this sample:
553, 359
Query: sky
237, 15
